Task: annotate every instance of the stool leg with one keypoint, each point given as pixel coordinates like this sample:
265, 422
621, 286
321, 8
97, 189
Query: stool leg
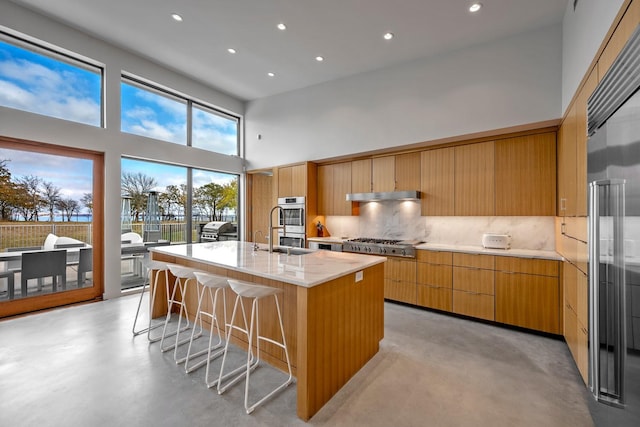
193, 331
183, 311
219, 352
289, 380
153, 301
241, 369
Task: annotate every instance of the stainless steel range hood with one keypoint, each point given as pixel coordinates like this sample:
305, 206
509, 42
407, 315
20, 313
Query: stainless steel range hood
389, 195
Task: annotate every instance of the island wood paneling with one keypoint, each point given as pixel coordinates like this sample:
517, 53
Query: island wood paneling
437, 182
331, 329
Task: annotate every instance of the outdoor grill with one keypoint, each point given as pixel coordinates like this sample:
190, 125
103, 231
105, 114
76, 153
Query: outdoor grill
215, 231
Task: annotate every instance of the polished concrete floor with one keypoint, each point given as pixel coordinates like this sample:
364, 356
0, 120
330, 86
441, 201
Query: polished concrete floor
80, 366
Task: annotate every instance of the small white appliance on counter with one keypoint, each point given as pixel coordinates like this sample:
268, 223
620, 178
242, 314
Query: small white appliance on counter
496, 241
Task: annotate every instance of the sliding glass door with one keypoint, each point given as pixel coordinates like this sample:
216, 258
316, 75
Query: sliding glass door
51, 221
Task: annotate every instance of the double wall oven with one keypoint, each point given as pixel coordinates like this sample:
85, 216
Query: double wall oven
292, 216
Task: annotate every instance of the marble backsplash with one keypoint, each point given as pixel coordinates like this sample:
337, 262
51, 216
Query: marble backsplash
402, 220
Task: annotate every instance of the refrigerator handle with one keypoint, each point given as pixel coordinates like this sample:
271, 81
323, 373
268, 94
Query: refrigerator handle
612, 390
594, 267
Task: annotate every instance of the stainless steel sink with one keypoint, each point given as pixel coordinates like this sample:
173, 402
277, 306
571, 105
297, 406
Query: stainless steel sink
290, 251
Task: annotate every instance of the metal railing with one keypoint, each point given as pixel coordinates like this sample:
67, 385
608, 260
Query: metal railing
24, 234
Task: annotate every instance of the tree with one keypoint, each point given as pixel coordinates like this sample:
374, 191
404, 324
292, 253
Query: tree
173, 196
229, 196
50, 196
87, 201
207, 198
136, 185
68, 207
29, 199
8, 191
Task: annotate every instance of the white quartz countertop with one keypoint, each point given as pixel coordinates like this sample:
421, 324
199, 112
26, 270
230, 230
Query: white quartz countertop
522, 253
308, 270
330, 239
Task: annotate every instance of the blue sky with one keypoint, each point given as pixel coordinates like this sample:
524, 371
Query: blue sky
40, 84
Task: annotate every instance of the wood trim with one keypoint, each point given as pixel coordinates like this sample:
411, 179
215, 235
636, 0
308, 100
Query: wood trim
41, 302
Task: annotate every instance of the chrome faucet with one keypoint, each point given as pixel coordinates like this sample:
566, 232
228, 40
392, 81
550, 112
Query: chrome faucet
271, 227
255, 239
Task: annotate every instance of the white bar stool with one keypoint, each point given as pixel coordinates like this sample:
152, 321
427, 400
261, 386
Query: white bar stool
255, 292
150, 266
183, 275
214, 284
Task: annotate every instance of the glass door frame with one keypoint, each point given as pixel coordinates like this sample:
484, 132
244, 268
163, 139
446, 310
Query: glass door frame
94, 292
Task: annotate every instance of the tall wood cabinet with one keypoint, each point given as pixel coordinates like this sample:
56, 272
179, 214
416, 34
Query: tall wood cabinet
525, 175
437, 182
475, 179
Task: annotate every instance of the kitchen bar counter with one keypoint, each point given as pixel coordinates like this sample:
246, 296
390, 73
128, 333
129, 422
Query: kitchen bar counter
332, 306
520, 253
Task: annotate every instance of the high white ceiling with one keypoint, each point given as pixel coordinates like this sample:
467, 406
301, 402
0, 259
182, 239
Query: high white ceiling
347, 33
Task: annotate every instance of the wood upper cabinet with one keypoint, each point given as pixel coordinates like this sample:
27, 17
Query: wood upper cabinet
525, 175
407, 171
567, 189
383, 173
334, 182
474, 179
361, 176
437, 182
581, 142
292, 181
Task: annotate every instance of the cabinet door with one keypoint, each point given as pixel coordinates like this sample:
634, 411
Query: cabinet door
526, 175
474, 280
528, 301
438, 275
400, 280
325, 190
581, 143
284, 182
541, 267
567, 189
383, 173
361, 176
407, 172
437, 182
341, 186
474, 305
299, 180
434, 297
474, 179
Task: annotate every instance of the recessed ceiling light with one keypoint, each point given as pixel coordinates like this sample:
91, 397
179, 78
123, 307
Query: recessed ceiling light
319, 58
231, 50
271, 74
388, 36
475, 7
176, 17
282, 27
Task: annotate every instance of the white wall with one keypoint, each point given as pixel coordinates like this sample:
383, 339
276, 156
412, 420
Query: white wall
110, 141
582, 33
505, 83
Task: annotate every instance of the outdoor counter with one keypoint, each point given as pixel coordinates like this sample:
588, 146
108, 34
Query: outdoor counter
333, 308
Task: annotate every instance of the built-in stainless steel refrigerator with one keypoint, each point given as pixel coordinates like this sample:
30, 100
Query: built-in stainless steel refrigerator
613, 166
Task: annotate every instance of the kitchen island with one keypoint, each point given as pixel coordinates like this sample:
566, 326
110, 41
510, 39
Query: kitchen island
332, 307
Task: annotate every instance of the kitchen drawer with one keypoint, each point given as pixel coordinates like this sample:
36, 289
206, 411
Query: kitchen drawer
400, 269
474, 305
434, 297
543, 267
474, 260
473, 280
434, 257
582, 303
570, 283
435, 275
398, 290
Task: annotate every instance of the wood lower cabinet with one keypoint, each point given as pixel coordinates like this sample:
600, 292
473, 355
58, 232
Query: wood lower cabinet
575, 328
528, 293
434, 280
473, 285
400, 280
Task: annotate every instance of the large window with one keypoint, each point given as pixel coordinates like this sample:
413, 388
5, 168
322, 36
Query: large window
37, 79
159, 114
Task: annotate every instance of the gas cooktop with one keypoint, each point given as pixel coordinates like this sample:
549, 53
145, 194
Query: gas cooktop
375, 246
